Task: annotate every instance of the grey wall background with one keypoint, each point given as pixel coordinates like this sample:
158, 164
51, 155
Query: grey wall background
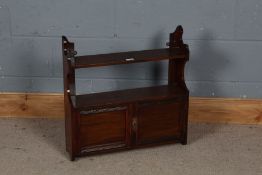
225, 39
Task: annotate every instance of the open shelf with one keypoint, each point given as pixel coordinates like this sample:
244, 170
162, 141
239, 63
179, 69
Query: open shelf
126, 58
87, 101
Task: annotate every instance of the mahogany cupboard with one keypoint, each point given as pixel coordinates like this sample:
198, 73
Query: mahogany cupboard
126, 119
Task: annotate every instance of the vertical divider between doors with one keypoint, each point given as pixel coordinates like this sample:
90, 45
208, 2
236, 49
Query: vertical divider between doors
133, 131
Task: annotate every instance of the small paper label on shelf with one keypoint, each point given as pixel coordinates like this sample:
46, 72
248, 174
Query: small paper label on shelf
130, 59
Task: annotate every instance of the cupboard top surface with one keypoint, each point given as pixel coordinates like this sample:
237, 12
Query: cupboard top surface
87, 101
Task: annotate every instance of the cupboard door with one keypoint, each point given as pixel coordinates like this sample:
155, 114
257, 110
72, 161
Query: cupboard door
159, 121
103, 129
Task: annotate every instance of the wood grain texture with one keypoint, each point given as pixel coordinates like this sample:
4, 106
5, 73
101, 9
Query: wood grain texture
215, 110
221, 110
31, 105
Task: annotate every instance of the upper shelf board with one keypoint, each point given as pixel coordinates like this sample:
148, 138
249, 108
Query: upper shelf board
127, 57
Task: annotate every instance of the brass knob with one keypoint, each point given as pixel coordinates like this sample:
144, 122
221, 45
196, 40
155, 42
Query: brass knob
134, 124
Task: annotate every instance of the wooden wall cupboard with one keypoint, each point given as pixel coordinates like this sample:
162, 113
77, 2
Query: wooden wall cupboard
126, 119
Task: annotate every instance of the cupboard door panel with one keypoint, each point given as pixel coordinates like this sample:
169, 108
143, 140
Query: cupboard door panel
103, 130
159, 121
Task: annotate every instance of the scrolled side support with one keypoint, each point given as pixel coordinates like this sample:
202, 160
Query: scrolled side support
177, 66
69, 91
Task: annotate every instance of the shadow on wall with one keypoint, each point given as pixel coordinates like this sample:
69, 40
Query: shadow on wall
206, 64
135, 75
205, 68
156, 71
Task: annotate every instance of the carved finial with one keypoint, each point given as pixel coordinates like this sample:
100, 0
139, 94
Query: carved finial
176, 40
68, 47
64, 39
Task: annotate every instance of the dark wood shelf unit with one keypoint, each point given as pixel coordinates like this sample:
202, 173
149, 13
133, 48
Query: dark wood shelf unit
126, 119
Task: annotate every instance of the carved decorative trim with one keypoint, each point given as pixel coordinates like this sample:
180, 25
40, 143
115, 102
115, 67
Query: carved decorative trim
102, 147
95, 111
